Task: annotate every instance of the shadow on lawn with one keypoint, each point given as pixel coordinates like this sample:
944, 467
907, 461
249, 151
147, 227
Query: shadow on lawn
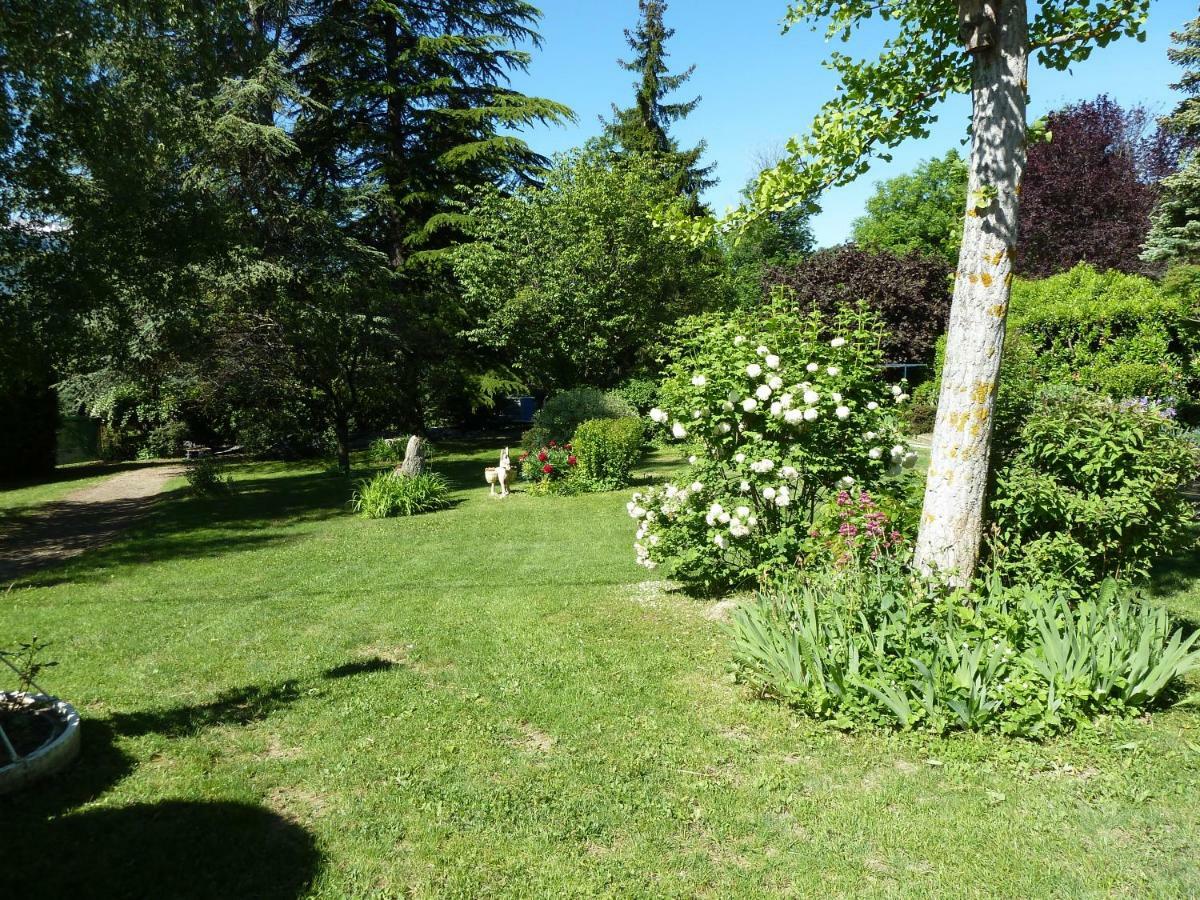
172, 848
254, 515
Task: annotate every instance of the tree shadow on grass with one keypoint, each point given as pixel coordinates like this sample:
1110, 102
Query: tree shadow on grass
173, 848
256, 514
168, 849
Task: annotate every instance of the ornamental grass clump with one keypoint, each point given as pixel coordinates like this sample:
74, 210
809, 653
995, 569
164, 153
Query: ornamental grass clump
869, 645
388, 495
780, 413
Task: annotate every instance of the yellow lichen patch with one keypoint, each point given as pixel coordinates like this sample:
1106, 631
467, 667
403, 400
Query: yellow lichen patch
996, 258
998, 311
981, 392
986, 280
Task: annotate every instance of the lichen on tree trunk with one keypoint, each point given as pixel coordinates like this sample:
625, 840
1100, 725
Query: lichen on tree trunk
952, 519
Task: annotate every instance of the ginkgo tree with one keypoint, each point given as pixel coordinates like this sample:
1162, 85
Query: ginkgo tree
939, 48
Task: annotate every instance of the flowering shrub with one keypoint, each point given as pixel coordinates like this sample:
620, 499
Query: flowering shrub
854, 529
781, 412
549, 467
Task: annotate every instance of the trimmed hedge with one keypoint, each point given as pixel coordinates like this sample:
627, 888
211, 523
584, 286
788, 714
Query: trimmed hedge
608, 449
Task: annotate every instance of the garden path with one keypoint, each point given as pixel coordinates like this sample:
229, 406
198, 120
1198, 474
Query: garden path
88, 518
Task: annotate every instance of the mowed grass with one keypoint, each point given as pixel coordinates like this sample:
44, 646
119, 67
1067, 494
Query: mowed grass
284, 700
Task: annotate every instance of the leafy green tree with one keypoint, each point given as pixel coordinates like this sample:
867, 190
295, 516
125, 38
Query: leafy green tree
645, 126
921, 211
982, 47
573, 281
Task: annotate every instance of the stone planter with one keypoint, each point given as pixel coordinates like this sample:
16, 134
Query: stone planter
56, 753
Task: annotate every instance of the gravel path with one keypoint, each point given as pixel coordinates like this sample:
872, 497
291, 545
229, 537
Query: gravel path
81, 521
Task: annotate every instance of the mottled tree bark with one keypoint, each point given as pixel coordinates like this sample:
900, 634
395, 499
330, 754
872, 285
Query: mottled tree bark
952, 520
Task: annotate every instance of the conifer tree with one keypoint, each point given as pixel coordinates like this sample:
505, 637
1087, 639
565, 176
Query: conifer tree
645, 126
1175, 224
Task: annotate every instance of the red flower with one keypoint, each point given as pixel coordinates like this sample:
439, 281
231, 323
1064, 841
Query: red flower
543, 456
553, 443
548, 469
572, 461
566, 446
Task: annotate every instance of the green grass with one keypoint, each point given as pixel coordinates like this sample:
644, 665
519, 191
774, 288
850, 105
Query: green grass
283, 699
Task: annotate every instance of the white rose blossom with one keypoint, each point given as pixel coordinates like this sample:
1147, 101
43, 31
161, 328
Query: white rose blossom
768, 493
739, 458
762, 351
812, 367
842, 412
658, 415
679, 431
811, 397
699, 380
749, 404
794, 416
754, 370
697, 487
872, 406
739, 340
834, 371
837, 342
772, 361
810, 414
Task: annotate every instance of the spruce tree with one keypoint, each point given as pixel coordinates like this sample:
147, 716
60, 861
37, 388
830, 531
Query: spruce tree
645, 126
1175, 224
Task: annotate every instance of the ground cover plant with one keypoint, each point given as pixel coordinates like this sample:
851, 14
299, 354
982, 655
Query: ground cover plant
353, 707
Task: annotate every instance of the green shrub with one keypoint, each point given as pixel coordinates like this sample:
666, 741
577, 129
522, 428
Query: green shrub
779, 412
1092, 491
383, 452
165, 441
640, 393
206, 476
388, 495
565, 412
608, 449
1117, 334
869, 646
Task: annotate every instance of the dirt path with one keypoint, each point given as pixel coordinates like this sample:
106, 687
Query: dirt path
81, 521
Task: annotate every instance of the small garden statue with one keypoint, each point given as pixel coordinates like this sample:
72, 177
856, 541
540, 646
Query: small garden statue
499, 475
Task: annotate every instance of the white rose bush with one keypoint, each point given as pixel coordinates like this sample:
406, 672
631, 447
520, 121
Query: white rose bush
779, 415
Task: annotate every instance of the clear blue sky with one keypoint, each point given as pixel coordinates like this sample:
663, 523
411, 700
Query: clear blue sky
761, 87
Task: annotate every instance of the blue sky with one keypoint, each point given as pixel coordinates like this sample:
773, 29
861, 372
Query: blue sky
761, 87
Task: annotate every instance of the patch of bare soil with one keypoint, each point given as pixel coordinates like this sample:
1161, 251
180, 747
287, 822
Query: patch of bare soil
84, 520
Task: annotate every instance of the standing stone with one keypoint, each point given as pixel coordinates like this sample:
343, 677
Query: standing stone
414, 457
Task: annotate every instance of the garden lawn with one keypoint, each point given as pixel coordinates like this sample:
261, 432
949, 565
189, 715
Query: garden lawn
282, 700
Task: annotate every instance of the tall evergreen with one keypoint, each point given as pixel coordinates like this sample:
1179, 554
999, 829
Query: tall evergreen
1175, 224
645, 126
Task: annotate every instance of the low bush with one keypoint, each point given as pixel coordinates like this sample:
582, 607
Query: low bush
563, 413
608, 449
551, 469
388, 495
869, 646
206, 476
1092, 490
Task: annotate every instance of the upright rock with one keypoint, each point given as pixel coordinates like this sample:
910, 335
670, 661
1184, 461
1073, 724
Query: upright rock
414, 457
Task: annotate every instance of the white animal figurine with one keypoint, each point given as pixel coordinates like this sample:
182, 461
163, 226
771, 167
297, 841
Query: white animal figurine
499, 475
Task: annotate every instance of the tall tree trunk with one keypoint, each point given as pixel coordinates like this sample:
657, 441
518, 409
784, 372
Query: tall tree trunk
952, 521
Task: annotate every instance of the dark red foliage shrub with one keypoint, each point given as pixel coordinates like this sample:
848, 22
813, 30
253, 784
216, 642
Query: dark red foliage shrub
911, 293
1088, 191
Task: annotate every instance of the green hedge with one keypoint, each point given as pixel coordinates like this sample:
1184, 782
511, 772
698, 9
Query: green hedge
608, 449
